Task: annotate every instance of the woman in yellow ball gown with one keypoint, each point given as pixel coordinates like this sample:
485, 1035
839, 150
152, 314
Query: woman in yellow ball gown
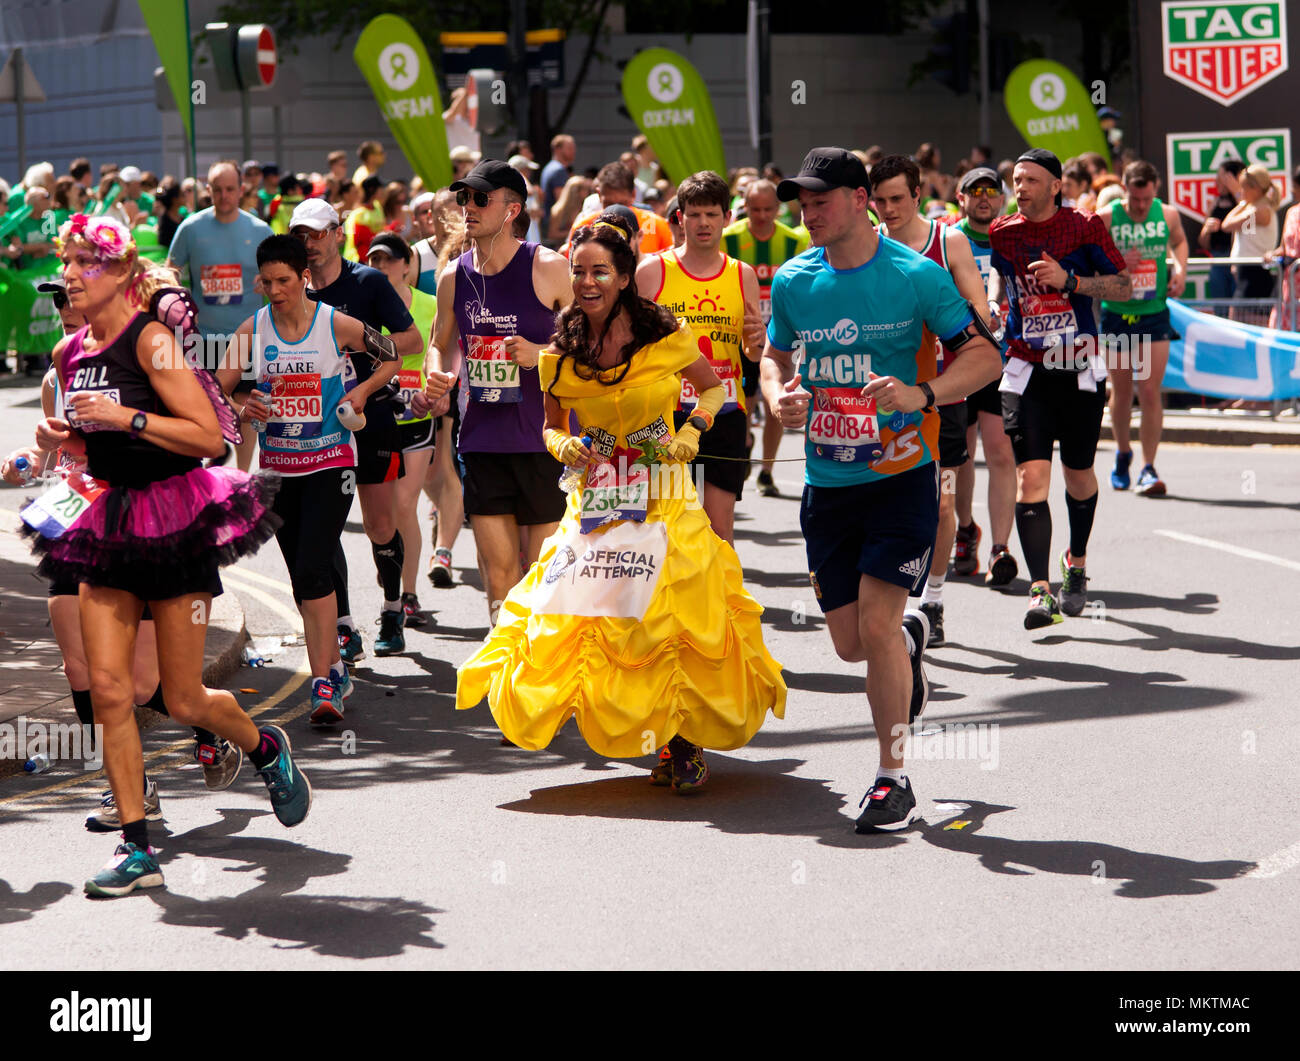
634, 618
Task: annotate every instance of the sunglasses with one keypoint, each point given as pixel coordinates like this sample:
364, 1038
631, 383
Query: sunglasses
984, 192
481, 199
311, 233
60, 299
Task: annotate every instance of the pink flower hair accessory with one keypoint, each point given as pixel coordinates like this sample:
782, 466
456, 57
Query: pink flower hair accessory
110, 238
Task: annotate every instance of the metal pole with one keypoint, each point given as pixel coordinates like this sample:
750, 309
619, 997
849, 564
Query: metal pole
519, 65
764, 82
985, 129
18, 101
277, 132
245, 121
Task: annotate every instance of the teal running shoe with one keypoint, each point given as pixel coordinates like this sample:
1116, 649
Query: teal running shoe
128, 869
390, 640
288, 786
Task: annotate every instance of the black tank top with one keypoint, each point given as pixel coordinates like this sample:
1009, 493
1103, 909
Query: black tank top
114, 370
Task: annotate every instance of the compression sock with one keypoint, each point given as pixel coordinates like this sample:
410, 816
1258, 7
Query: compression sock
340, 573
1081, 515
81, 704
388, 562
1034, 524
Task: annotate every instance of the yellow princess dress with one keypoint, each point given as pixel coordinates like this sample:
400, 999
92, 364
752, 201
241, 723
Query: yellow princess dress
641, 626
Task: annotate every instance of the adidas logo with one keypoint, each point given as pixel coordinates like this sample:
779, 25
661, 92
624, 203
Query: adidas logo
913, 568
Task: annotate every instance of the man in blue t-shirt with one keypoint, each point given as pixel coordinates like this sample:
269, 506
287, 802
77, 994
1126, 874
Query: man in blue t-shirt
217, 249
555, 174
865, 311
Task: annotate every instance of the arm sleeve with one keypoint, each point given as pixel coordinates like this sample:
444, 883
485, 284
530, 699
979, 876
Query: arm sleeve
780, 332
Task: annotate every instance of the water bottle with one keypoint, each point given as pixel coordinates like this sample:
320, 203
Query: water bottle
252, 657
37, 764
571, 477
349, 417
24, 469
264, 395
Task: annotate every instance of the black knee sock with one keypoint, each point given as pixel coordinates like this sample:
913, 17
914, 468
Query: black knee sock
388, 562
136, 833
1034, 524
81, 704
341, 581
1081, 514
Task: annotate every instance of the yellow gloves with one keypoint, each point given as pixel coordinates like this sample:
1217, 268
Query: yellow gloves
684, 445
564, 447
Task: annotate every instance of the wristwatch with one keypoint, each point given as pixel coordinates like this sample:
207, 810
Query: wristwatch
138, 423
1071, 282
699, 423
929, 398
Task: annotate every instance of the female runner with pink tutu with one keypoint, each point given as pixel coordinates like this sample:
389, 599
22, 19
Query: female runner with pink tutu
148, 524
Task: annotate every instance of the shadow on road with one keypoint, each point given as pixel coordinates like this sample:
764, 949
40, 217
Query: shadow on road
1235, 502
22, 906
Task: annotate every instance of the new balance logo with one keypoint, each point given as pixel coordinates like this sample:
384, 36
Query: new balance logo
913, 568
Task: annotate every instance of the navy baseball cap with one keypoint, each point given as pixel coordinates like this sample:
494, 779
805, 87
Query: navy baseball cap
491, 174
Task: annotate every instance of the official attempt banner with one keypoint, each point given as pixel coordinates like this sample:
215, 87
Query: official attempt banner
670, 103
393, 59
1226, 359
1052, 110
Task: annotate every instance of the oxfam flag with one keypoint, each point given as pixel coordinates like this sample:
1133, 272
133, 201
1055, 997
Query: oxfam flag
393, 60
1051, 109
669, 102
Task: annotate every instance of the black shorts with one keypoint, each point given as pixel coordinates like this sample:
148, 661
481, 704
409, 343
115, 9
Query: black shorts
417, 435
202, 576
379, 454
1154, 326
1053, 409
728, 437
952, 435
61, 588
523, 485
884, 529
985, 400
749, 379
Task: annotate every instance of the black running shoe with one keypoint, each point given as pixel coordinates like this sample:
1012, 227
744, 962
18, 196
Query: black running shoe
440, 569
766, 486
891, 805
934, 613
390, 640
1002, 567
917, 624
1074, 587
1042, 610
412, 611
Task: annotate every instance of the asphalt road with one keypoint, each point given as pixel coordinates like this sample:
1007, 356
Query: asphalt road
1126, 798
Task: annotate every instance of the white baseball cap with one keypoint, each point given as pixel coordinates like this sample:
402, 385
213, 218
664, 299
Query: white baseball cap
421, 199
314, 213
127, 174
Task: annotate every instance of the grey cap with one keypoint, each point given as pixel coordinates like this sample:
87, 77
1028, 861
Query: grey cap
979, 173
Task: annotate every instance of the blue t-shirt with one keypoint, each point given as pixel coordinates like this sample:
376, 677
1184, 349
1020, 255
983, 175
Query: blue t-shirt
853, 322
554, 176
221, 259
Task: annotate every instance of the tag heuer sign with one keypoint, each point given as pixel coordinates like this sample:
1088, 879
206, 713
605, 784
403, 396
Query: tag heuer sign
1193, 159
1224, 50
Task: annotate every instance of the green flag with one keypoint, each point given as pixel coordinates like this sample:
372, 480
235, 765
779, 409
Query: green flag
13, 219
1051, 108
29, 323
169, 25
670, 103
393, 59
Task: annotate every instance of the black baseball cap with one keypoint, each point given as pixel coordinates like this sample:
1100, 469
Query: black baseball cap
1042, 157
392, 243
491, 174
825, 168
54, 283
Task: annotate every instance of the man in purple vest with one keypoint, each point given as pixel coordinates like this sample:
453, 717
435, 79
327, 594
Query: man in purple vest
500, 302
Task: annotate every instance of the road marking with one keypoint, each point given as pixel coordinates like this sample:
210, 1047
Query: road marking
1235, 550
1278, 863
292, 617
273, 583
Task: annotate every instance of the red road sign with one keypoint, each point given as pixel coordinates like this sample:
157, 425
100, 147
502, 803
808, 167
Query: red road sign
266, 56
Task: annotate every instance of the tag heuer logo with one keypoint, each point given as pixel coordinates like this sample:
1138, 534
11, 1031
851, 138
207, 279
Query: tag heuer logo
1224, 50
1193, 158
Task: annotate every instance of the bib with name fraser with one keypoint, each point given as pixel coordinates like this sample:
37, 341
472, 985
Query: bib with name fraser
611, 574
53, 513
492, 373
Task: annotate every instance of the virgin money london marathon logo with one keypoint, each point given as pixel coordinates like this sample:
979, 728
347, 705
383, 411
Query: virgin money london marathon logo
1193, 158
1225, 50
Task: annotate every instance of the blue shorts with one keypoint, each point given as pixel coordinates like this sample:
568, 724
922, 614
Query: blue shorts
884, 529
1155, 326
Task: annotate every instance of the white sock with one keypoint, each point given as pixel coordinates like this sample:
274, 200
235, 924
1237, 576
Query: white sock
393, 605
346, 620
911, 645
893, 775
933, 592
338, 669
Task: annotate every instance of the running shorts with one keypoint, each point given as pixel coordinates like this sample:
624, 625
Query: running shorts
523, 485
952, 435
1054, 409
728, 438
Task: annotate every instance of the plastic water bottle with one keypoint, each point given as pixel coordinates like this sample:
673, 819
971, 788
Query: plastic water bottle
264, 393
37, 764
571, 477
253, 658
349, 417
24, 469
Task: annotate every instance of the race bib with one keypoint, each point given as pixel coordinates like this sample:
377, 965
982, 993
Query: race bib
765, 308
493, 375
112, 393
296, 405
616, 489
843, 425
1144, 279
730, 376
410, 383
221, 284
611, 574
53, 513
1046, 319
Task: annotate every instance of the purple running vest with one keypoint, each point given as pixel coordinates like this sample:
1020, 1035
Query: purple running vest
498, 305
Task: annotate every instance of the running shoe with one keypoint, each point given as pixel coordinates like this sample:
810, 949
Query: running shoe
662, 774
343, 685
690, 771
390, 640
891, 805
1149, 483
917, 624
1074, 584
766, 486
967, 558
1042, 609
108, 820
326, 703
128, 869
288, 786
934, 614
1119, 476
412, 613
220, 762
1002, 567
351, 647
440, 569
